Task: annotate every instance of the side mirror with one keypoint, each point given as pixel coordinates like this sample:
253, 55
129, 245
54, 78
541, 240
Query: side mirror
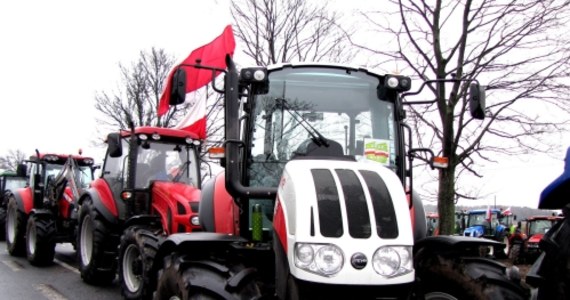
476, 100
178, 91
114, 145
21, 170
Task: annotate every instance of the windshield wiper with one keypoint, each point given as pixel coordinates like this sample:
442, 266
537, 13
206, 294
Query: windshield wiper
316, 136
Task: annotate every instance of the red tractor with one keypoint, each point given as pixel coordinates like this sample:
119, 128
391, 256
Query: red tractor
9, 181
525, 240
149, 189
313, 202
45, 212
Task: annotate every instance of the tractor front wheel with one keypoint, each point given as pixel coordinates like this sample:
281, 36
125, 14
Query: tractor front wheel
469, 278
183, 278
136, 256
15, 229
2, 223
40, 246
96, 247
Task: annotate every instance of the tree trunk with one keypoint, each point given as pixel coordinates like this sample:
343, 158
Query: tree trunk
446, 203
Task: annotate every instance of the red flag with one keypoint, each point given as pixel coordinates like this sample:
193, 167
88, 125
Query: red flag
212, 54
507, 212
488, 215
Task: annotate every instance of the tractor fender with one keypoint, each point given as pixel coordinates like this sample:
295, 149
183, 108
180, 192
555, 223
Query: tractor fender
218, 211
24, 200
109, 215
418, 216
152, 221
447, 246
195, 243
41, 212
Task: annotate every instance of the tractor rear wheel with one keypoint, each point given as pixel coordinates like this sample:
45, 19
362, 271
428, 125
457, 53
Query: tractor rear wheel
515, 254
136, 256
469, 278
184, 279
15, 229
2, 223
97, 248
40, 245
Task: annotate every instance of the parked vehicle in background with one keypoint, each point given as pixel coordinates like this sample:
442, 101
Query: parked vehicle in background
491, 224
525, 241
432, 224
45, 212
9, 181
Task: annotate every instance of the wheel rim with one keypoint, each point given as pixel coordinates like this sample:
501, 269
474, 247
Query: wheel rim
506, 242
32, 238
11, 225
132, 268
439, 295
86, 240
174, 298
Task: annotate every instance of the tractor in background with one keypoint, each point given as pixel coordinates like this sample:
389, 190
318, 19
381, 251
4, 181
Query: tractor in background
149, 189
432, 224
45, 212
491, 224
525, 241
9, 181
313, 201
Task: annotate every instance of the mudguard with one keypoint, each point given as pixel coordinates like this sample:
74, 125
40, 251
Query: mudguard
24, 199
453, 245
194, 243
109, 215
218, 212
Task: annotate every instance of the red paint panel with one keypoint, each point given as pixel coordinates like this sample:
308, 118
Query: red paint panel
166, 196
279, 224
27, 198
225, 210
106, 195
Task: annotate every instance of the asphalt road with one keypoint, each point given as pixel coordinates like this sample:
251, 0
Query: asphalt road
59, 281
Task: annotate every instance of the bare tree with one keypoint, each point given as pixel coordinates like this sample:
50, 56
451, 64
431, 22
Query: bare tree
11, 160
514, 47
277, 31
136, 100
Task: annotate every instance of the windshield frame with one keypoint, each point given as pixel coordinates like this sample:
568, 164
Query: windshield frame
348, 139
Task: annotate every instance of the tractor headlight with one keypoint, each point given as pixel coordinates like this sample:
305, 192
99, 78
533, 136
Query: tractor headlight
304, 255
195, 220
391, 261
321, 259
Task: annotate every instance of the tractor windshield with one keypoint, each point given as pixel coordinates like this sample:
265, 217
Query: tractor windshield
305, 104
14, 183
539, 226
166, 162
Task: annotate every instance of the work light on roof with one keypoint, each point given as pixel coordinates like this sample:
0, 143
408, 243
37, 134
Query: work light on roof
51, 157
393, 82
156, 136
143, 137
189, 140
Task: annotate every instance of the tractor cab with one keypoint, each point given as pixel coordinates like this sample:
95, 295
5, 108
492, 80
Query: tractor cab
43, 168
147, 164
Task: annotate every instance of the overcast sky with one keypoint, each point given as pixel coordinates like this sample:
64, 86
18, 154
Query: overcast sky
56, 54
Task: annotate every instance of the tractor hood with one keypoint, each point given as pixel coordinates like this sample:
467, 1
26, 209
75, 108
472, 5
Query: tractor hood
535, 238
474, 231
175, 191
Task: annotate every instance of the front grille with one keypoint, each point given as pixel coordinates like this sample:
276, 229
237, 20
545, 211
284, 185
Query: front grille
328, 204
356, 207
357, 210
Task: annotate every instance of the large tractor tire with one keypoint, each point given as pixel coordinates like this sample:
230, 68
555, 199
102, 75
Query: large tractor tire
40, 245
97, 247
2, 223
15, 229
515, 254
185, 279
469, 278
136, 257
